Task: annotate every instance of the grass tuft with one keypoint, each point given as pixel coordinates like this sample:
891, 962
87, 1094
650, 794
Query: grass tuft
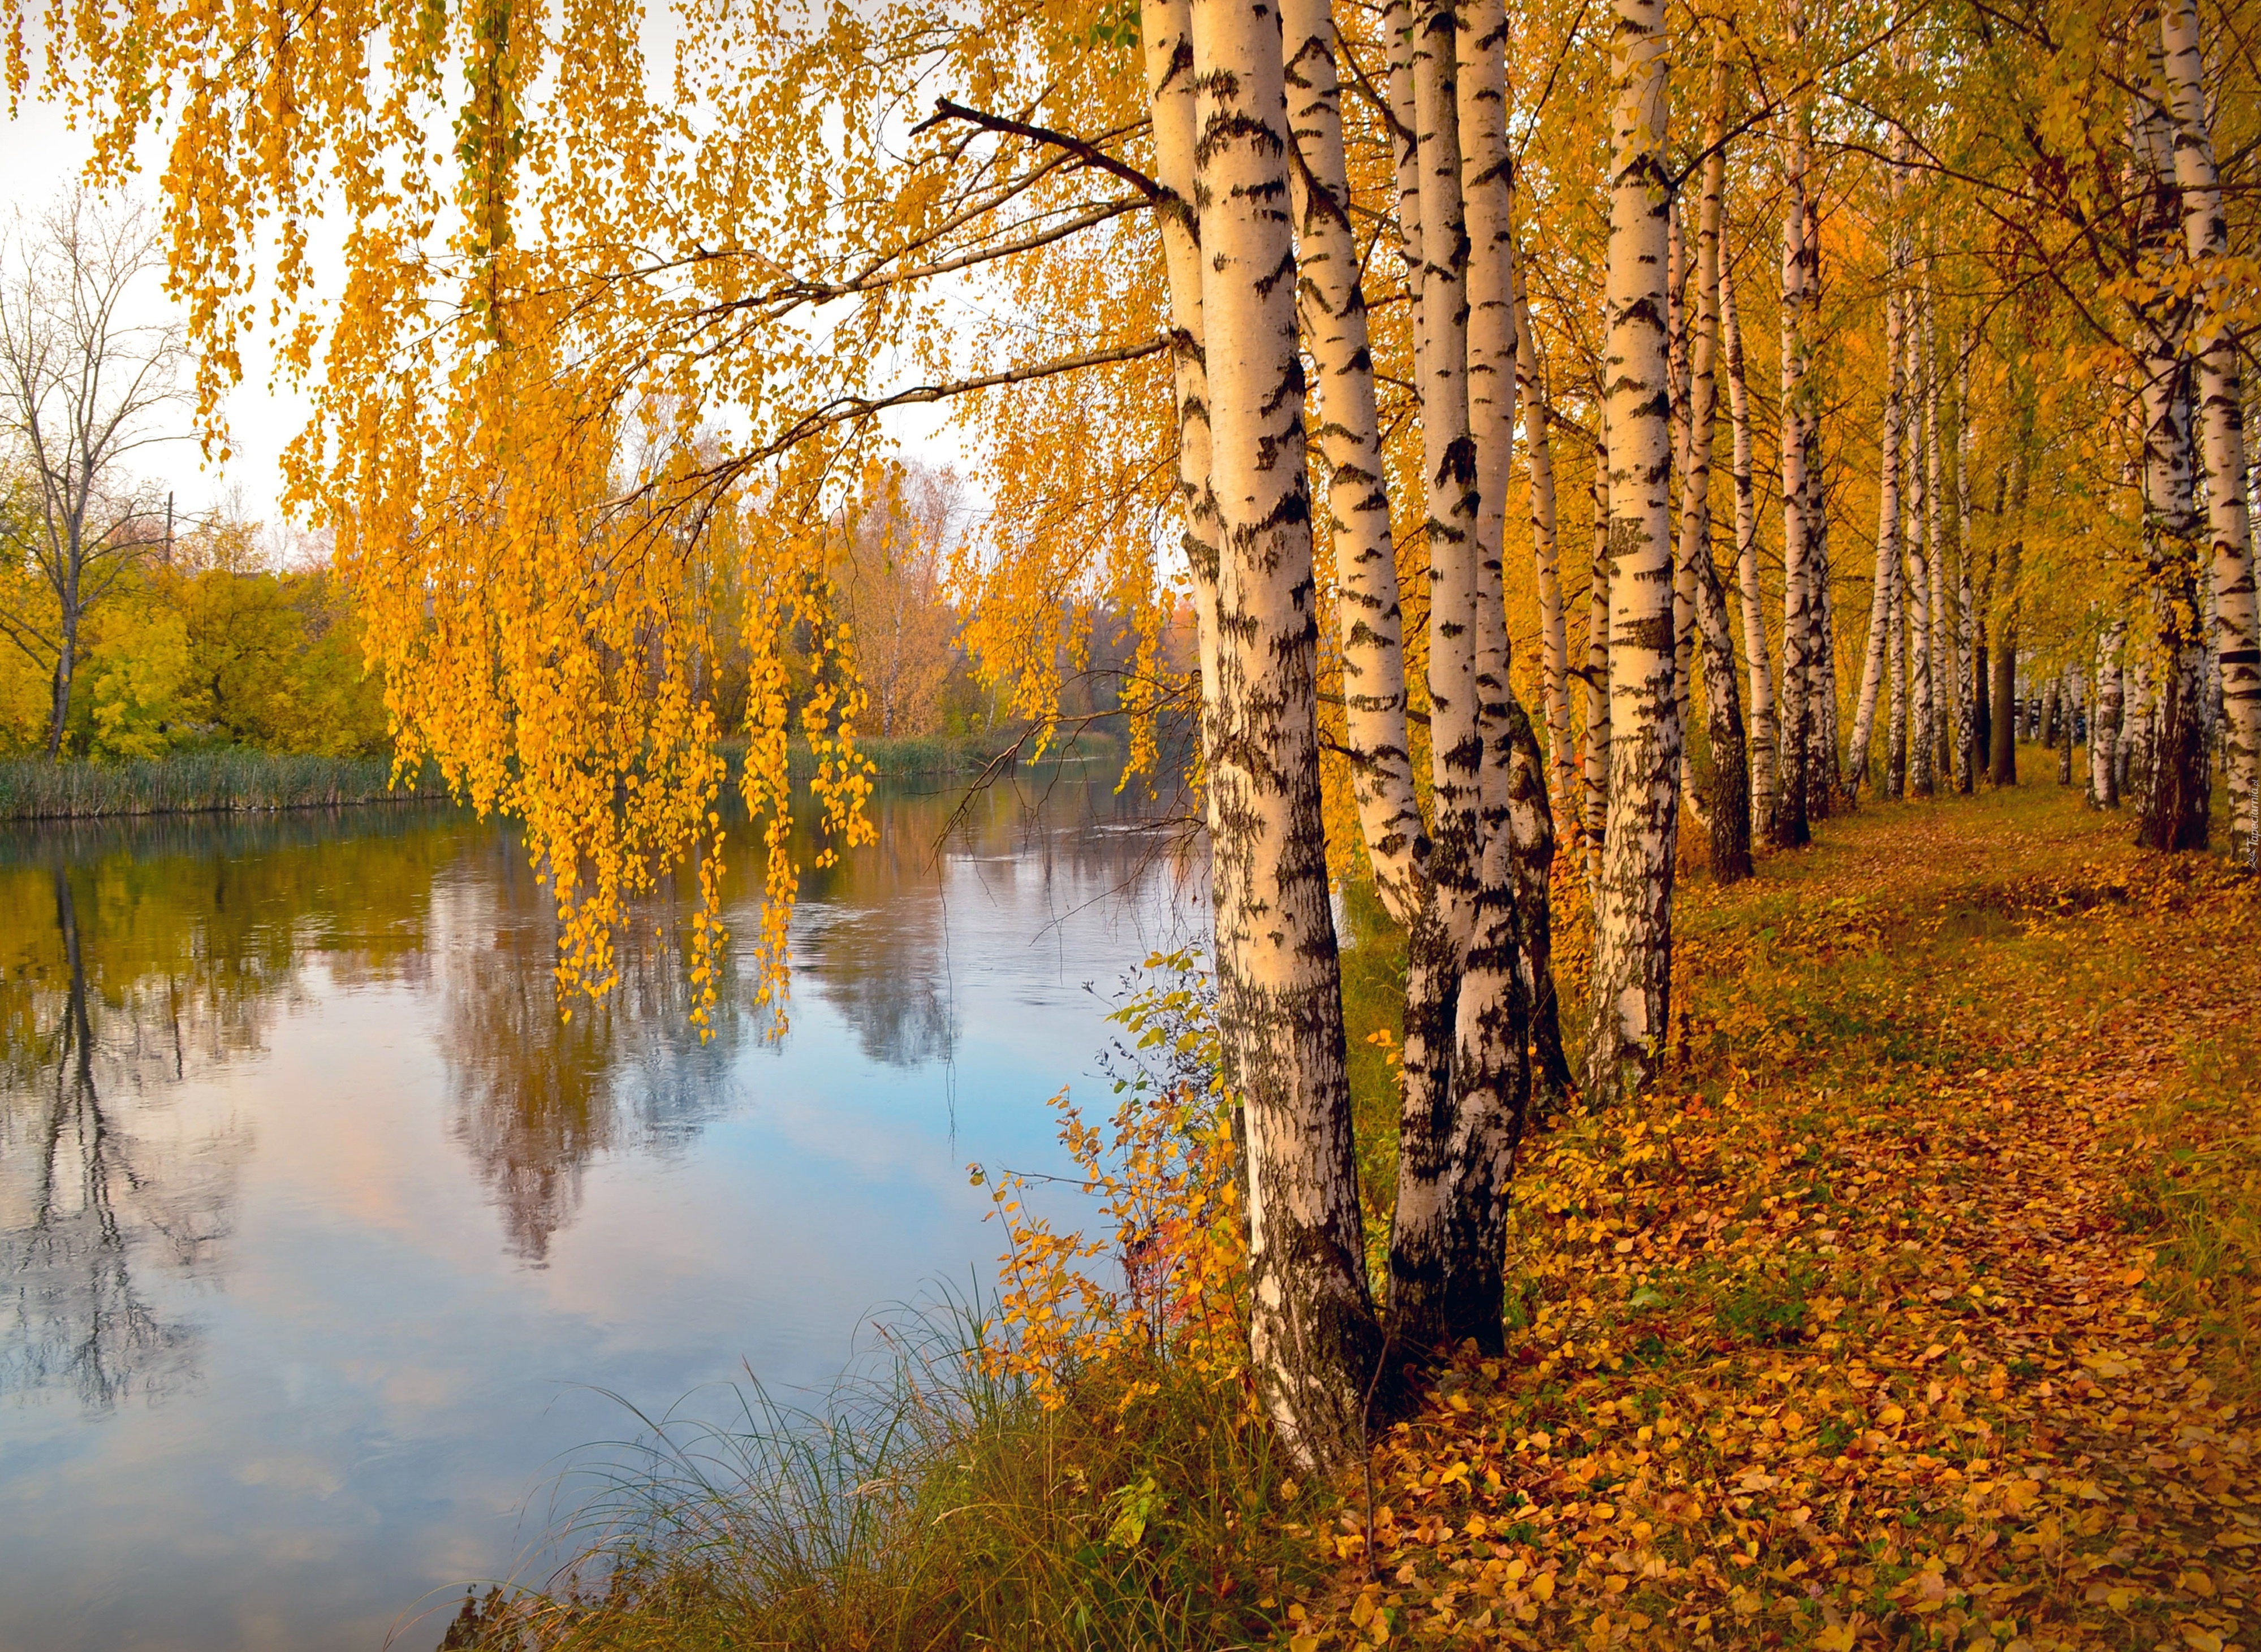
929, 1501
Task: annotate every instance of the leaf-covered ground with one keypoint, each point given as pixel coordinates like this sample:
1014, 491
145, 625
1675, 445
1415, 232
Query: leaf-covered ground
1916, 1311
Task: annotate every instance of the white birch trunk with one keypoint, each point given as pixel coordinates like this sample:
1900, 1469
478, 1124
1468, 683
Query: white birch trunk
2172, 796
1896, 734
1888, 546
1597, 682
1684, 592
1553, 631
1453, 1150
2135, 730
2104, 722
1765, 745
1166, 27
2237, 639
1446, 1287
1633, 937
1726, 816
1404, 121
1942, 678
1966, 608
1369, 624
1314, 1340
1917, 589
1821, 652
1789, 828
2002, 754
1496, 1013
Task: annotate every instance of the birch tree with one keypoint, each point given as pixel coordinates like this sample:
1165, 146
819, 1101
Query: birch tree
1764, 763
1789, 828
1729, 804
1916, 587
1888, 530
1596, 792
2172, 802
1941, 619
1313, 1335
1553, 631
2205, 232
2104, 722
1632, 930
1968, 704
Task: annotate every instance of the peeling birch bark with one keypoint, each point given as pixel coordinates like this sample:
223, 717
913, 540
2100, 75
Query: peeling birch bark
1888, 545
1969, 702
1314, 1340
1166, 27
1727, 813
1765, 748
1332, 310
1684, 591
1917, 586
1632, 936
1789, 828
1941, 679
1821, 786
1597, 682
2172, 798
1554, 632
2104, 722
2237, 638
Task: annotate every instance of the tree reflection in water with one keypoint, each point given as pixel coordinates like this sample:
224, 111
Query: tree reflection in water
996, 872
535, 1095
137, 959
89, 1194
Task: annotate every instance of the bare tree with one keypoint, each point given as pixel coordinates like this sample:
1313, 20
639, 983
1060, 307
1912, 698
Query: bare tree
84, 384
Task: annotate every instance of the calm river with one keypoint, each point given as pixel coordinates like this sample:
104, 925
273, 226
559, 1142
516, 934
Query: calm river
324, 1244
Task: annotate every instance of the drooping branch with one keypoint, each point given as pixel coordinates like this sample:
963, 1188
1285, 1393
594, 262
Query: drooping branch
847, 410
947, 109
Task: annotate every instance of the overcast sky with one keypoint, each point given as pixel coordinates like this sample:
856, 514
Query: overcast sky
46, 163
47, 160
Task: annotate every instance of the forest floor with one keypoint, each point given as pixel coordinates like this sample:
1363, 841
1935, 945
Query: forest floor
1917, 1309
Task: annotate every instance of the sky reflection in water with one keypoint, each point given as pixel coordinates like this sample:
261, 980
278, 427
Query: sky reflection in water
319, 1231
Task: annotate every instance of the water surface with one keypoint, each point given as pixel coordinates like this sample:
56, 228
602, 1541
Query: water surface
324, 1240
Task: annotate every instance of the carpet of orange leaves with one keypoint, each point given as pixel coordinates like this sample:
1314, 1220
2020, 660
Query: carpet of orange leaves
1865, 1331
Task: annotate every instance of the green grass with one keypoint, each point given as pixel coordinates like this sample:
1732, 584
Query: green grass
931, 1504
195, 782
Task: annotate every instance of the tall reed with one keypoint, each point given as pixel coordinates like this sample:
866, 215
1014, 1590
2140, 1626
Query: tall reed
195, 782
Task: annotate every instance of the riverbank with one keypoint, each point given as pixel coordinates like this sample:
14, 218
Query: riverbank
254, 782
200, 783
931, 756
